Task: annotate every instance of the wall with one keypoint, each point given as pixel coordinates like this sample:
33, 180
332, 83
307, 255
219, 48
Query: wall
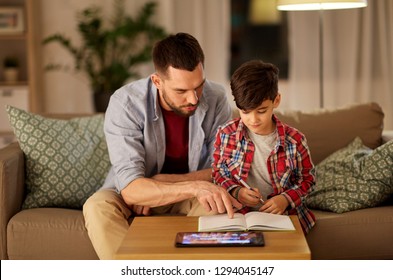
207, 20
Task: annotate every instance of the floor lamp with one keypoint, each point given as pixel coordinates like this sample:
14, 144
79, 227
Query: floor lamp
312, 5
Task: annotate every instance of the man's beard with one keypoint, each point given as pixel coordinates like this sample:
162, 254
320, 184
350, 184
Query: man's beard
178, 110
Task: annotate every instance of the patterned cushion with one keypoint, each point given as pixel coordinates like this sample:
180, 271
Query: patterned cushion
66, 160
354, 177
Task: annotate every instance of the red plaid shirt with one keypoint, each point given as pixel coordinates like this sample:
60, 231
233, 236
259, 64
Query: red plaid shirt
291, 170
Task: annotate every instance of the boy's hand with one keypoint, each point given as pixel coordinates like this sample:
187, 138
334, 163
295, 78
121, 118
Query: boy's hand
275, 205
249, 197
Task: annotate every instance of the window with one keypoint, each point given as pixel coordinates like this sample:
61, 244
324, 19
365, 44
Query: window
258, 31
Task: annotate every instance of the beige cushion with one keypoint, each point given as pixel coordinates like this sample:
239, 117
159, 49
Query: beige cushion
49, 233
329, 130
361, 234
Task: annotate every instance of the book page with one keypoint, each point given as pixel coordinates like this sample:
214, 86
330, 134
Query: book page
221, 222
266, 221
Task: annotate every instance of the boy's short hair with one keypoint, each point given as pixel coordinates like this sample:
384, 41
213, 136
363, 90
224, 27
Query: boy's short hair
181, 51
254, 82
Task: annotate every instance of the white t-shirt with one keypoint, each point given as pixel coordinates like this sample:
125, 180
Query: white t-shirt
258, 176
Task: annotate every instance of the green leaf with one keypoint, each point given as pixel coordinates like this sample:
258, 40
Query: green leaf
110, 48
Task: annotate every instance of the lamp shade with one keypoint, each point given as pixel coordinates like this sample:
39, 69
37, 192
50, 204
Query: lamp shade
264, 12
308, 5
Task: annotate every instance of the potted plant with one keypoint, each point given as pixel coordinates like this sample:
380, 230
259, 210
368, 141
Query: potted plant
11, 69
110, 50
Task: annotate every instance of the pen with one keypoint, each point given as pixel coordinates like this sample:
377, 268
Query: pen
244, 184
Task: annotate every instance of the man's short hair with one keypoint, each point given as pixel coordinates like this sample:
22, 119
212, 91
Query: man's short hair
181, 51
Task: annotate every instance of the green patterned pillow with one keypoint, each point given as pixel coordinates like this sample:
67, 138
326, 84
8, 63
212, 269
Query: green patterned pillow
66, 160
352, 178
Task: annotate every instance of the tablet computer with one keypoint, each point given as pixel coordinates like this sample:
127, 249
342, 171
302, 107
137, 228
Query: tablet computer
214, 239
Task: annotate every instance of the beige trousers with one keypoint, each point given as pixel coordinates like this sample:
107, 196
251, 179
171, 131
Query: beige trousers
107, 219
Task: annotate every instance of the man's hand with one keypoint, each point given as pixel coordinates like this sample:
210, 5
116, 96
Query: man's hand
215, 198
140, 210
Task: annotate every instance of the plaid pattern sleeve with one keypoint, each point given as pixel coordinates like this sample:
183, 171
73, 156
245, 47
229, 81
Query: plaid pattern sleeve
292, 172
230, 155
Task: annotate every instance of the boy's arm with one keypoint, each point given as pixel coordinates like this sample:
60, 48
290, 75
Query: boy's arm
220, 172
305, 178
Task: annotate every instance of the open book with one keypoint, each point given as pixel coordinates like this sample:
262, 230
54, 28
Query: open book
250, 221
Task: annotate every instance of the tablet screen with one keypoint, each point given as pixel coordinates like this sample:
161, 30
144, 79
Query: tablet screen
230, 238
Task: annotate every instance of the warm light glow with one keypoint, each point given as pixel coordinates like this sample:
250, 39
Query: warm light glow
308, 5
264, 12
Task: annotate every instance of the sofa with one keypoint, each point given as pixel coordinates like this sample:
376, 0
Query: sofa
364, 233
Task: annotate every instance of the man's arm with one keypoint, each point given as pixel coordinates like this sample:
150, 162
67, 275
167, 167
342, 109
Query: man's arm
204, 175
156, 192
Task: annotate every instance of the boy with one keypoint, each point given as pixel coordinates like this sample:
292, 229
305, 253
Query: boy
261, 151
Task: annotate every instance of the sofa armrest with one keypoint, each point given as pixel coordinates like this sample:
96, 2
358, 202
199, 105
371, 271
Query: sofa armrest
12, 184
387, 135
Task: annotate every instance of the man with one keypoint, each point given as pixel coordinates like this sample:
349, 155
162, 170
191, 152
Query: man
160, 133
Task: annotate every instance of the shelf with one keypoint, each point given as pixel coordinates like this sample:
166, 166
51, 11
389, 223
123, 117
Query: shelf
15, 84
7, 134
25, 44
21, 36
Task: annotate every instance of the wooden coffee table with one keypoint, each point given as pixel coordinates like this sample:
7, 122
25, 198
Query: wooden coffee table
153, 238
